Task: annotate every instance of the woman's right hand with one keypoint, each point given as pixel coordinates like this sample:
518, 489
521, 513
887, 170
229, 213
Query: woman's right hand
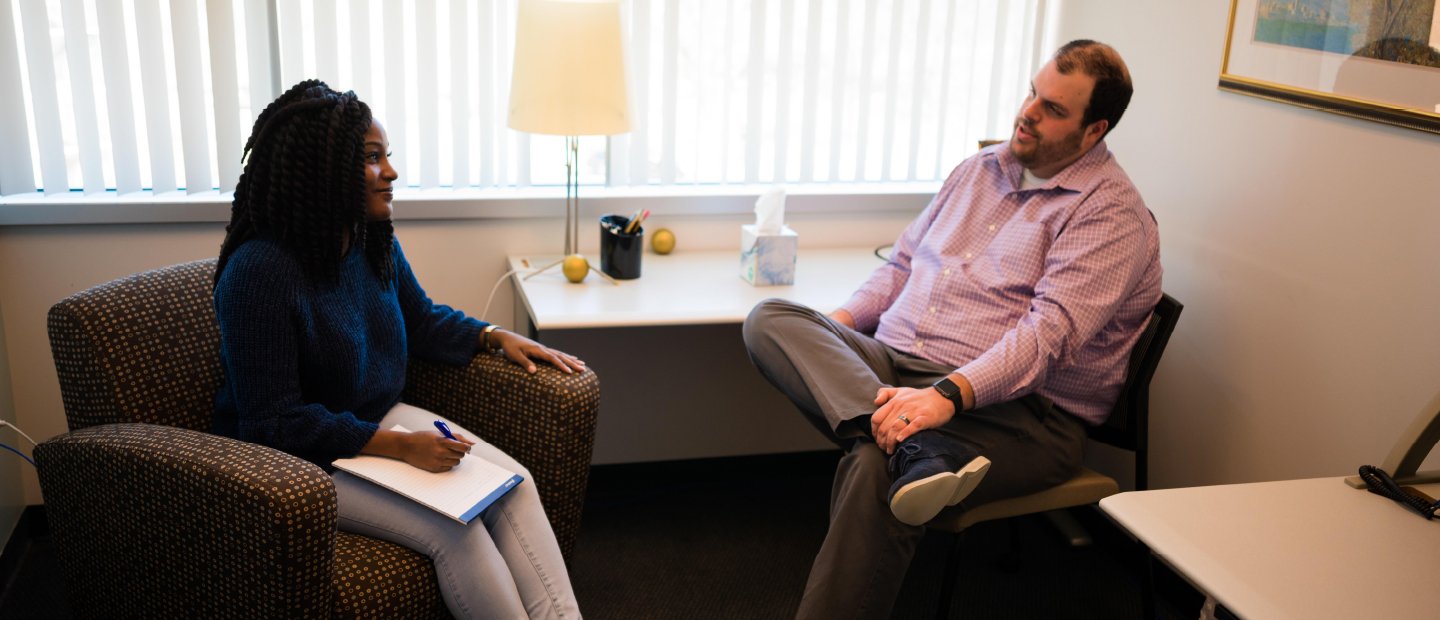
427, 450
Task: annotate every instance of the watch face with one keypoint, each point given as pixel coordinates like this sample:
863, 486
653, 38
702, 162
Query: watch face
947, 388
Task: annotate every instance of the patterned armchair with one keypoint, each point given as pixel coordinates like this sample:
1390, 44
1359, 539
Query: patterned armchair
153, 516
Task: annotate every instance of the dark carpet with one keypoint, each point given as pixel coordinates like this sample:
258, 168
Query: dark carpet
734, 538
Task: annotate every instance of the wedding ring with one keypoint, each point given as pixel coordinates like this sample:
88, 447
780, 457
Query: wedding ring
904, 419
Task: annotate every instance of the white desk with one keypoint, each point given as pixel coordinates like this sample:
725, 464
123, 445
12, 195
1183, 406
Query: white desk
1302, 549
685, 288
675, 379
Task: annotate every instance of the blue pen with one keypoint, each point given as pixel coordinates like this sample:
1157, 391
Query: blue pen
446, 430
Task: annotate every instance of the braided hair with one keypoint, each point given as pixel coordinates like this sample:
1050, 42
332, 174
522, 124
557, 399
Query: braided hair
304, 184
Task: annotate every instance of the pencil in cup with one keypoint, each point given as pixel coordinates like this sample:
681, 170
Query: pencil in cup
635, 222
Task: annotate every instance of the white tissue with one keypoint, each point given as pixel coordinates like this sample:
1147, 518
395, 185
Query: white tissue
770, 211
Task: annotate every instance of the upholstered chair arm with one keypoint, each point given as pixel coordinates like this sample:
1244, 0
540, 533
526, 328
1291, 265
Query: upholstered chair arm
546, 421
169, 522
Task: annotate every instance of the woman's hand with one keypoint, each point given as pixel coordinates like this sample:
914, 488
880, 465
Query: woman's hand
427, 450
522, 350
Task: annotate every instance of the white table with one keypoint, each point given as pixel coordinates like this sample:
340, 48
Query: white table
1302, 549
684, 288
675, 380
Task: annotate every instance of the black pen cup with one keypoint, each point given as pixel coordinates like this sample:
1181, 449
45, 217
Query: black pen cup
620, 251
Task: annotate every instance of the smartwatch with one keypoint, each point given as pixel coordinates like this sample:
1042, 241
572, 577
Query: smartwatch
948, 389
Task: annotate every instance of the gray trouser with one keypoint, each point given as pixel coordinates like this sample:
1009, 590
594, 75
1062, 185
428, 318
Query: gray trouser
832, 373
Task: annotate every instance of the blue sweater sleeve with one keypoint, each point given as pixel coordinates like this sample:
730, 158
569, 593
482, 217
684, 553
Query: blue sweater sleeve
435, 332
257, 304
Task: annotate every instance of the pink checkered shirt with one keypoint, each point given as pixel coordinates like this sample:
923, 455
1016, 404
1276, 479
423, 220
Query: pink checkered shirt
1038, 290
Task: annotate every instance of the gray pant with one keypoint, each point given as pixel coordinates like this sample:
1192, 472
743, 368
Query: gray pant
503, 564
832, 373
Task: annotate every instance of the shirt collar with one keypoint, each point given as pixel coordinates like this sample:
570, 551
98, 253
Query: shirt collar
1072, 178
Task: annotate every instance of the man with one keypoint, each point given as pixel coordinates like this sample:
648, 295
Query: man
965, 368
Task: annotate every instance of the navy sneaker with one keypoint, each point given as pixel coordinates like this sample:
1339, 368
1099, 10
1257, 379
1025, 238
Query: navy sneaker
932, 471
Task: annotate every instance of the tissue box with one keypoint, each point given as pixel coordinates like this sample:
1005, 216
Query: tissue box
769, 259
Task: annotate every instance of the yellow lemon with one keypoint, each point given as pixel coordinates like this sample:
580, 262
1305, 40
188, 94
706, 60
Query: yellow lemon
663, 242
575, 268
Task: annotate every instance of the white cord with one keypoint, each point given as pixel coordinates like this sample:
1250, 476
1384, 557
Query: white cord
486, 312
17, 429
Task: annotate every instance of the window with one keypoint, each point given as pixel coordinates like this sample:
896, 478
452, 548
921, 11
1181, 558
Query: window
724, 92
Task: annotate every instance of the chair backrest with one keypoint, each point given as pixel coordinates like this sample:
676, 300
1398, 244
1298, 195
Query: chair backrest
1128, 426
144, 348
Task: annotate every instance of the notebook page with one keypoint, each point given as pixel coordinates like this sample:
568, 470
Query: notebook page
455, 492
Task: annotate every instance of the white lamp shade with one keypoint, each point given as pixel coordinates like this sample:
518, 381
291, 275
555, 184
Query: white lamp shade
569, 76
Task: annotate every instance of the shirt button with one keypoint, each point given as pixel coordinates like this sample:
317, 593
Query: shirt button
969, 255
992, 228
919, 344
947, 271
932, 309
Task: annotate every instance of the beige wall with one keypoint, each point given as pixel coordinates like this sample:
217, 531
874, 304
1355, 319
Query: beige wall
1305, 245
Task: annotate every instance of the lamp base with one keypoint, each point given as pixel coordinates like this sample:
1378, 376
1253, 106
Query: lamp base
560, 260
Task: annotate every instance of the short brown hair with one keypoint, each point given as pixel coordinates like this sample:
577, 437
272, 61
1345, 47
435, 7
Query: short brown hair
1112, 80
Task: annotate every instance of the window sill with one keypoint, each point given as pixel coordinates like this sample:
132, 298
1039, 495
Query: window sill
444, 204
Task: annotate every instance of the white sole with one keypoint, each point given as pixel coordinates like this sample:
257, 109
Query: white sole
918, 502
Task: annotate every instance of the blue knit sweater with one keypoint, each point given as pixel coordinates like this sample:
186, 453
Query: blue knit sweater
311, 368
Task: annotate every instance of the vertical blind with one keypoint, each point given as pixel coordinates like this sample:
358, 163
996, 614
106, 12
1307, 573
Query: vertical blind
735, 91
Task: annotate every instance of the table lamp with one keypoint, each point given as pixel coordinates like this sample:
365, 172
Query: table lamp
569, 80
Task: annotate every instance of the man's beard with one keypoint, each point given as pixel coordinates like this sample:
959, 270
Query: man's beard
1044, 152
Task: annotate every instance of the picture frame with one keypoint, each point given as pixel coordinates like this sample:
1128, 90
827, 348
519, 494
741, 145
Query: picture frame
1366, 59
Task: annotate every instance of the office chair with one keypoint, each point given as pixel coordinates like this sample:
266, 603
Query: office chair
153, 516
1126, 428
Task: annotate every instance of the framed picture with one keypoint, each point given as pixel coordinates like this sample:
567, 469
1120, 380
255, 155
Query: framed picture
1373, 59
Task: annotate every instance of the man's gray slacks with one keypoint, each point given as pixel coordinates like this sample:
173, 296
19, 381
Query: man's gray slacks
832, 373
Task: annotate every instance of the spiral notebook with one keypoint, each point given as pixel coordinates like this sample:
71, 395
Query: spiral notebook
461, 493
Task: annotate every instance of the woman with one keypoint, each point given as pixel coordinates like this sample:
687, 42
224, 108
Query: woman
319, 312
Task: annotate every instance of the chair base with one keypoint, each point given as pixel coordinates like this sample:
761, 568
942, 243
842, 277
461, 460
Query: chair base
1074, 534
1087, 487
